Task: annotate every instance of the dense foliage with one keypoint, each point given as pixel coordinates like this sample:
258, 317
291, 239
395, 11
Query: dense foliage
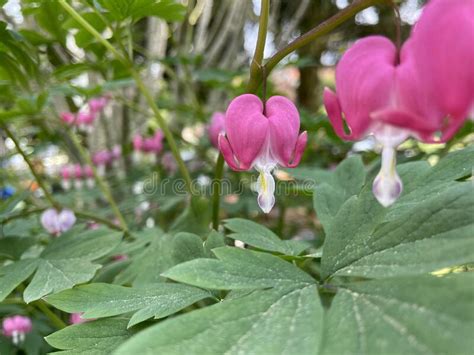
123, 231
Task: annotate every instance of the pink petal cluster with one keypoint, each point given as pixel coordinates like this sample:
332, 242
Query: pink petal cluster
261, 136
84, 119
149, 146
104, 158
426, 91
97, 104
16, 327
76, 174
56, 222
216, 127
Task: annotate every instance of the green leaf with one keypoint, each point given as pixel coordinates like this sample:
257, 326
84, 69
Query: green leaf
13, 247
97, 338
276, 321
347, 181
187, 246
411, 315
261, 237
157, 257
425, 230
168, 10
104, 300
238, 269
14, 274
67, 261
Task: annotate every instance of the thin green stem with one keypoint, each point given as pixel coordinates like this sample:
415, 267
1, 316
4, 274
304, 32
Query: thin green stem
318, 31
103, 186
216, 191
141, 86
256, 65
55, 320
95, 218
37, 177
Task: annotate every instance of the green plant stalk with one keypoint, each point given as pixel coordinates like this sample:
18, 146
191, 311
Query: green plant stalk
103, 186
141, 86
216, 191
37, 177
256, 65
58, 322
318, 31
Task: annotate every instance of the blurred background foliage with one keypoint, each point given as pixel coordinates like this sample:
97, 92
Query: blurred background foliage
194, 56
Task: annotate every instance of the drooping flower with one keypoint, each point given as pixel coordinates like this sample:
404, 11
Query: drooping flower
68, 117
57, 222
100, 160
66, 175
379, 93
153, 144
137, 144
443, 52
262, 136
97, 104
78, 175
216, 127
16, 327
89, 175
85, 120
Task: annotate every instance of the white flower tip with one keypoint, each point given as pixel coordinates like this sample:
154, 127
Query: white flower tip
387, 188
265, 187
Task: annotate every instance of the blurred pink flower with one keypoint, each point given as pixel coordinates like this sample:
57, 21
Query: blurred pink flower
57, 222
16, 327
262, 137
66, 175
443, 52
153, 144
68, 117
216, 127
97, 104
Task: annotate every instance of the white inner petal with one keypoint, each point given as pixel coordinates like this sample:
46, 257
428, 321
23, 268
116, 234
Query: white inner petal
387, 186
266, 191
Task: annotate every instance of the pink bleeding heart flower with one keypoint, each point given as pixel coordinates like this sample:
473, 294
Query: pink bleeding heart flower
78, 175
97, 104
101, 158
262, 136
443, 51
89, 175
381, 95
57, 222
116, 152
137, 142
85, 118
153, 144
66, 175
216, 127
78, 171
16, 327
68, 117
